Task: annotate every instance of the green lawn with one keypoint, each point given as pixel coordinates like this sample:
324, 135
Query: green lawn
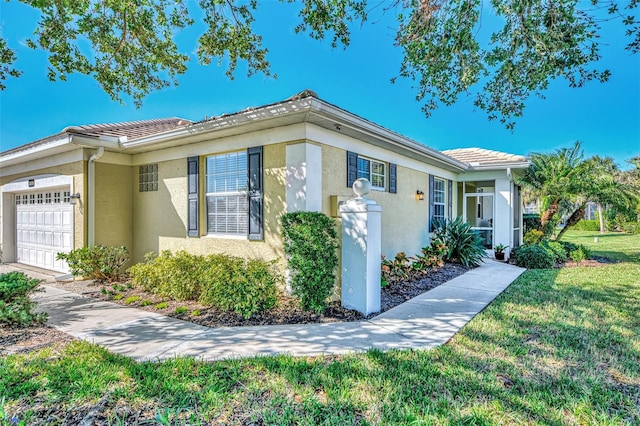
615, 245
558, 347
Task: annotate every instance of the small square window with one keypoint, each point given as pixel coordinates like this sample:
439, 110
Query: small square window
148, 178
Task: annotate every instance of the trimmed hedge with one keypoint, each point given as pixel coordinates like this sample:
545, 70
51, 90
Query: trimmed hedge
631, 227
587, 225
226, 282
310, 245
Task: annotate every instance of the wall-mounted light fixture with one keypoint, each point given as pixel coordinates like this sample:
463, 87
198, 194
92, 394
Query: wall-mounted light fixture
419, 195
73, 198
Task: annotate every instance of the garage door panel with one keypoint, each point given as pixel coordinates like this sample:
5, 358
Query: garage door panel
44, 227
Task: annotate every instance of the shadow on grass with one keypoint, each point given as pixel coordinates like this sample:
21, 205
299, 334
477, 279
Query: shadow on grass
556, 347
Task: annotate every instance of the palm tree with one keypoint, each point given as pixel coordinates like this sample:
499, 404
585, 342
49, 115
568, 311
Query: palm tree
599, 184
554, 178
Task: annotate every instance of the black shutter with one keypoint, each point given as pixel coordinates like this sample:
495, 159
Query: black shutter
193, 201
450, 199
392, 179
256, 216
431, 205
352, 168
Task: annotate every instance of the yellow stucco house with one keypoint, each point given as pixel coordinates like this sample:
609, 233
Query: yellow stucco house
221, 184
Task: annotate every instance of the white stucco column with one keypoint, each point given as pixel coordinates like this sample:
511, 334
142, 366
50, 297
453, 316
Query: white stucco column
361, 250
503, 217
304, 177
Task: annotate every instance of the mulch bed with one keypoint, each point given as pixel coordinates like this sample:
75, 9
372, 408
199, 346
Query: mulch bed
22, 340
594, 261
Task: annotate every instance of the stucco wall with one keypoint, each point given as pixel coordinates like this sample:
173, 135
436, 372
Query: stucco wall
160, 217
76, 170
114, 205
404, 219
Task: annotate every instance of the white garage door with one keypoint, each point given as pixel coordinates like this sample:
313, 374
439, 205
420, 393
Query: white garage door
44, 227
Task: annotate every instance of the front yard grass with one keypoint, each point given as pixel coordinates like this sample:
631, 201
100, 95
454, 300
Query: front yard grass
614, 245
558, 347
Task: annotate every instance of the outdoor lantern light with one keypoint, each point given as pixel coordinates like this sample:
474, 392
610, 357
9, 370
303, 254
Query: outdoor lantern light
74, 197
419, 195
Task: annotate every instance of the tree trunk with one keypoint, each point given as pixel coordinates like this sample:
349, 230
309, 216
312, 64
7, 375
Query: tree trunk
575, 217
601, 218
546, 218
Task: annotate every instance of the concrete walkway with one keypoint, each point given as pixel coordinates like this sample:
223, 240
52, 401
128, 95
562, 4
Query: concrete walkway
425, 321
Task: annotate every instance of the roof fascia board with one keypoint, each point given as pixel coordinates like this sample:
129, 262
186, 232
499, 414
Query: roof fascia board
43, 162
45, 145
372, 129
500, 166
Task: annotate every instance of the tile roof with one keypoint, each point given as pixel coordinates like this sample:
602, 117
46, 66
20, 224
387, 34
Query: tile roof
131, 129
483, 157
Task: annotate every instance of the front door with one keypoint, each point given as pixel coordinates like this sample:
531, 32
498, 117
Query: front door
478, 211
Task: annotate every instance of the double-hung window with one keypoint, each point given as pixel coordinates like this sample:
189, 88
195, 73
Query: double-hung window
374, 171
226, 193
439, 200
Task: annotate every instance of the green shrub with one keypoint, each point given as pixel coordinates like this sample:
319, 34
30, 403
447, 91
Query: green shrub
580, 253
310, 245
534, 256
533, 236
396, 269
432, 256
16, 308
131, 299
239, 285
181, 310
178, 276
631, 227
464, 245
587, 225
226, 282
556, 249
531, 221
102, 263
568, 247
161, 305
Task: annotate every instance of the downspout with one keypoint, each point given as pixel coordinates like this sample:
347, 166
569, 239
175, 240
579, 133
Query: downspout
91, 234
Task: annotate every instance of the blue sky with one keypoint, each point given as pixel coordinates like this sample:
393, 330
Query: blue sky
605, 117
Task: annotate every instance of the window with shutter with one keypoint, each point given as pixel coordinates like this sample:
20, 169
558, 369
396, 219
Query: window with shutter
226, 193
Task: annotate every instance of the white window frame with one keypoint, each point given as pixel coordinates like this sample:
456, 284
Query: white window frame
370, 173
241, 193
442, 203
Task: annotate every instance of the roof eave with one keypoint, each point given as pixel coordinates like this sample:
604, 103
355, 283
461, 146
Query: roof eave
387, 135
30, 150
498, 166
